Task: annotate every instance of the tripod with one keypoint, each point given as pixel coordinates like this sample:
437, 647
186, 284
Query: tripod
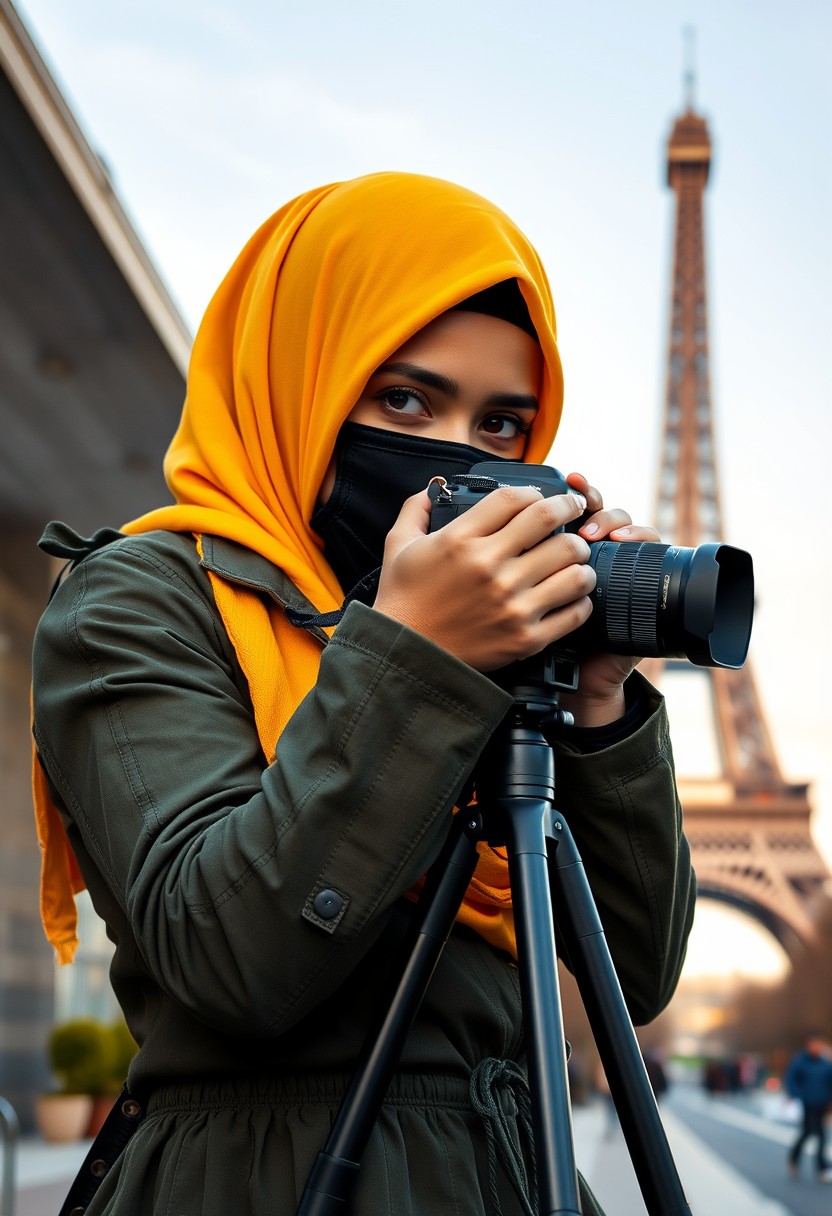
549, 887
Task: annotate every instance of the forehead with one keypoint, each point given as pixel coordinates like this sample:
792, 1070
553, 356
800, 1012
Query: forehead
475, 342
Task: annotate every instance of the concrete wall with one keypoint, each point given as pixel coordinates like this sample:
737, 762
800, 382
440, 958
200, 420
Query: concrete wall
27, 969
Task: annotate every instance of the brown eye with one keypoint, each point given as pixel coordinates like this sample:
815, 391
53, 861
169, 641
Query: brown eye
402, 401
504, 426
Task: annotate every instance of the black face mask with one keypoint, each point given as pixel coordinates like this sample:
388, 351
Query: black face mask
375, 471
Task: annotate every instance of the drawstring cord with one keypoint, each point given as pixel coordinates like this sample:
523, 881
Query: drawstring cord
489, 1078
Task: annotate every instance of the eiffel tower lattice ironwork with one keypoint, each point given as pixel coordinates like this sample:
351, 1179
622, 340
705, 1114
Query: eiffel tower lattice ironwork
749, 828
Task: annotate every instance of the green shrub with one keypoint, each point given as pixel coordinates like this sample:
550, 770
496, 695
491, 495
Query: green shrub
89, 1057
82, 1056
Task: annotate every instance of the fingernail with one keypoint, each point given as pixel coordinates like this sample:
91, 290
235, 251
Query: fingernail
579, 499
622, 532
589, 530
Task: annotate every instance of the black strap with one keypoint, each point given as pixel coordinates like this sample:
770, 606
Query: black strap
473, 481
118, 1127
363, 591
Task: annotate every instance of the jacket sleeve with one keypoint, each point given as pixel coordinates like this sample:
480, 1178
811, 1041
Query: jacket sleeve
251, 890
622, 807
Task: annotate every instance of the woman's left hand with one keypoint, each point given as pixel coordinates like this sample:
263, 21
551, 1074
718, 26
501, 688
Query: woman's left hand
600, 696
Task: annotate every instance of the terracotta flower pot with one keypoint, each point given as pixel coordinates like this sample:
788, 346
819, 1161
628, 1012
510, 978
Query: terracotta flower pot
102, 1104
63, 1117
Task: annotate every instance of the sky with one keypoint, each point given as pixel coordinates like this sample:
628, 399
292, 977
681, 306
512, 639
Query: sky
211, 114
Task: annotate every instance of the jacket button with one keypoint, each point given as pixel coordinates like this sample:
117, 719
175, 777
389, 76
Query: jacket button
328, 904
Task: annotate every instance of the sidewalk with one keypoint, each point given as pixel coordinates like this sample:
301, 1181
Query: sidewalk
44, 1172
711, 1186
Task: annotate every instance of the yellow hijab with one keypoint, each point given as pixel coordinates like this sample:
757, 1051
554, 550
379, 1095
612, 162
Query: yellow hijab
321, 295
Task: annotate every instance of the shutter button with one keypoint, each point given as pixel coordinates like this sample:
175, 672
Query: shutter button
328, 904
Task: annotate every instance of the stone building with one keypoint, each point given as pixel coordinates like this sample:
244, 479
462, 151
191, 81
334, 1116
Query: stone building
92, 362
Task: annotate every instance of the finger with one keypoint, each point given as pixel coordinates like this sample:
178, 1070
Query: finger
602, 523
538, 521
594, 499
562, 589
551, 556
559, 622
519, 515
637, 532
552, 605
413, 520
493, 511
542, 627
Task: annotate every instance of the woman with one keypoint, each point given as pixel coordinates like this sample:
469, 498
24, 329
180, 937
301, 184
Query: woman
252, 797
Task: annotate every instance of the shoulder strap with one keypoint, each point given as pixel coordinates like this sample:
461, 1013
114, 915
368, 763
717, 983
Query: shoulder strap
122, 1121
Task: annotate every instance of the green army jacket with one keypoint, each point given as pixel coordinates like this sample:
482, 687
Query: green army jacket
254, 907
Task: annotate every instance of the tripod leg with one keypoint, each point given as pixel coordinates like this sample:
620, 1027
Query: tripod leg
333, 1175
580, 927
537, 959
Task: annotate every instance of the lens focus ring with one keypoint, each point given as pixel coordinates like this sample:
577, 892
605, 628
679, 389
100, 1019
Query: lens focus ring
628, 582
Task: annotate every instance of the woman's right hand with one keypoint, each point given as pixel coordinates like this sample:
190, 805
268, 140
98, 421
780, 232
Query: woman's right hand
494, 585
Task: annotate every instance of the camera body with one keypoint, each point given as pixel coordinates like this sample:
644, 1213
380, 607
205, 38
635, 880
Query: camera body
457, 497
650, 599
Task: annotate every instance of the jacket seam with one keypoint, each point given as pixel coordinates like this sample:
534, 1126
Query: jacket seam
293, 811
430, 689
368, 795
407, 845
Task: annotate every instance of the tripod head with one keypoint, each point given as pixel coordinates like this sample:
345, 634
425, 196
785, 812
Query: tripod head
519, 761
541, 677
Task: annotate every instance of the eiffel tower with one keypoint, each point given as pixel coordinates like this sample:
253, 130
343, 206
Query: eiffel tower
748, 827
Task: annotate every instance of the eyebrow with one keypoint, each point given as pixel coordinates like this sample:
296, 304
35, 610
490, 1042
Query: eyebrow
515, 401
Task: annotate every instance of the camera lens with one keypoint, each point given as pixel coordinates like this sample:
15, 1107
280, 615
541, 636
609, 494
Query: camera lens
664, 601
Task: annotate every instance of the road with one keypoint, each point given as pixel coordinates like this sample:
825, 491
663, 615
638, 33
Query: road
735, 1129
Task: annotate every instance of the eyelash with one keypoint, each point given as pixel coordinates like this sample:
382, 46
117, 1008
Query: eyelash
521, 428
407, 392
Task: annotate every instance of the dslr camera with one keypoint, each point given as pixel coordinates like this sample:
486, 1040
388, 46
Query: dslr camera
650, 599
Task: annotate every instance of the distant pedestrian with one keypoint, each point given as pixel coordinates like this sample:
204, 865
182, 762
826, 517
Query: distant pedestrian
656, 1073
809, 1080
714, 1077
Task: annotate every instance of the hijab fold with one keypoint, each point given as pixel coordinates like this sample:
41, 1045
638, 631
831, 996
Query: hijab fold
323, 293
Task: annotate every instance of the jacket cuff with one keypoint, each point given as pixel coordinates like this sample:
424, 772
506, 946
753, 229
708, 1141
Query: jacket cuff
595, 738
624, 747
421, 660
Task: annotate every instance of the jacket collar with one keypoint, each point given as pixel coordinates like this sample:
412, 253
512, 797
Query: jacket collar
241, 565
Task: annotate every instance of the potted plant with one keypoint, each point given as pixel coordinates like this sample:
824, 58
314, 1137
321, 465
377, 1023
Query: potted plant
81, 1058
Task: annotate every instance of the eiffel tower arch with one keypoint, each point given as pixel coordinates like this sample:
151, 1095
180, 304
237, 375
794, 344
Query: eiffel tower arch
749, 828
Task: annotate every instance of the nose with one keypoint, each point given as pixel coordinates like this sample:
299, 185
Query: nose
455, 427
